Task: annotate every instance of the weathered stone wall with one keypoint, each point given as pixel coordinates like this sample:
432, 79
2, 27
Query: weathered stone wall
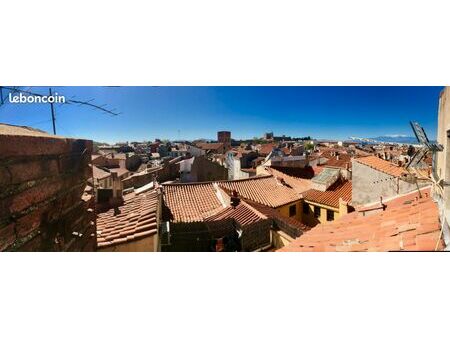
42, 180
368, 185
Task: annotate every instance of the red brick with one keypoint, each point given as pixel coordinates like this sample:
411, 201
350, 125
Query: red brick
28, 171
7, 236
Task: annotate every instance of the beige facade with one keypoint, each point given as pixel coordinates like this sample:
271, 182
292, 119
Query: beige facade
441, 165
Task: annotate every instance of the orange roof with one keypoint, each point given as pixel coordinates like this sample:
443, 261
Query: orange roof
382, 165
265, 149
342, 162
120, 171
275, 214
243, 214
267, 190
300, 185
209, 146
193, 202
408, 223
331, 196
99, 173
136, 219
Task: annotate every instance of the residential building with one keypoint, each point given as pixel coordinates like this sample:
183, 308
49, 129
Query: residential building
374, 178
273, 202
405, 223
212, 148
132, 226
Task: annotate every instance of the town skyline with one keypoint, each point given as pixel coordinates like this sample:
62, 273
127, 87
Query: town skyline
190, 113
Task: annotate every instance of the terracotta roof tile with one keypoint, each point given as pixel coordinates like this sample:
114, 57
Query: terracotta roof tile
244, 214
330, 197
191, 202
300, 185
265, 149
408, 223
382, 165
99, 173
195, 202
136, 219
267, 190
209, 146
275, 214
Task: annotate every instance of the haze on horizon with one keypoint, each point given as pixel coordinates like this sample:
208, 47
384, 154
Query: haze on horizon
190, 113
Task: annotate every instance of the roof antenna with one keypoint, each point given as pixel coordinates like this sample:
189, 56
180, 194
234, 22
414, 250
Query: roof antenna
426, 146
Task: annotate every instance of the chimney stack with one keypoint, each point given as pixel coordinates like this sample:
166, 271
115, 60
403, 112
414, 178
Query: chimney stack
235, 200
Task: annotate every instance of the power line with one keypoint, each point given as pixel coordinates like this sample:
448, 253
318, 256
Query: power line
87, 103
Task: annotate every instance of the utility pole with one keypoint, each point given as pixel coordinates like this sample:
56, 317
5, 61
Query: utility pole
53, 112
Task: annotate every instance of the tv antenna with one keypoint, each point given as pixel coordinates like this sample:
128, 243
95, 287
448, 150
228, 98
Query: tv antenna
71, 100
426, 145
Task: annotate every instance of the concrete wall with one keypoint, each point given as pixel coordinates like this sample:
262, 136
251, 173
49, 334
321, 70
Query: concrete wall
204, 170
369, 184
42, 180
441, 191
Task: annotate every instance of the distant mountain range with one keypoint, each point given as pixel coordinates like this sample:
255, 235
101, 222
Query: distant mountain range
388, 139
397, 139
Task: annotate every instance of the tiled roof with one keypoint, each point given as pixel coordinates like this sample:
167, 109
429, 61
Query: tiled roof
210, 146
382, 165
300, 185
99, 173
243, 214
195, 202
306, 172
275, 214
265, 149
267, 190
191, 202
331, 196
120, 171
408, 223
136, 220
343, 161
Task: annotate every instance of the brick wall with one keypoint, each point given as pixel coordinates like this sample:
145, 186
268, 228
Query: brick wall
42, 180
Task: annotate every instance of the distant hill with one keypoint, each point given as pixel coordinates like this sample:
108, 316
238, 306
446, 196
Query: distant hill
389, 139
396, 139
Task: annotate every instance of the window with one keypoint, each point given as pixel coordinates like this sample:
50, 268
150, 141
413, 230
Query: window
316, 211
305, 208
292, 210
330, 215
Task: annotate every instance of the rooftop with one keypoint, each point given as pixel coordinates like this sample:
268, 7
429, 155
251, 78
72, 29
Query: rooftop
409, 223
267, 190
195, 202
99, 173
300, 185
136, 220
382, 165
243, 214
330, 197
209, 146
7, 129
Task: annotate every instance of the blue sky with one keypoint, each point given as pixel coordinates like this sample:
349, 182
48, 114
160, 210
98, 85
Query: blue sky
199, 112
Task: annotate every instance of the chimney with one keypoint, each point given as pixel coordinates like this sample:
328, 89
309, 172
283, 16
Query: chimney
235, 200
